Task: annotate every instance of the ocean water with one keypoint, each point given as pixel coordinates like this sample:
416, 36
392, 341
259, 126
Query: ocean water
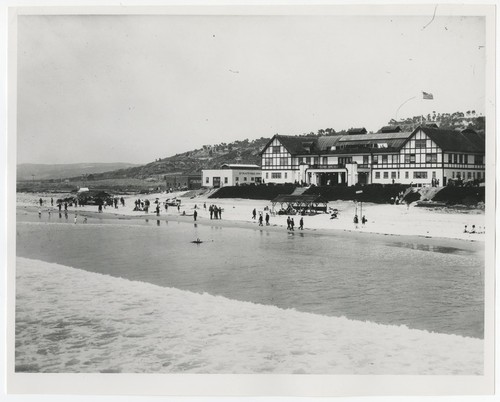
383, 280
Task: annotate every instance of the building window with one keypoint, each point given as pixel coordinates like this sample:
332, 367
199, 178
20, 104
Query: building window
478, 159
238, 179
225, 180
377, 175
407, 175
308, 160
245, 178
455, 158
469, 175
409, 158
375, 159
267, 175
283, 161
450, 158
286, 175
386, 175
431, 158
433, 175
268, 161
316, 160
301, 160
276, 175
420, 143
252, 178
420, 175
325, 160
384, 158
365, 160
460, 158
276, 149
453, 175
393, 175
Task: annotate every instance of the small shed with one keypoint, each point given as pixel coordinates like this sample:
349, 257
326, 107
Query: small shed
300, 203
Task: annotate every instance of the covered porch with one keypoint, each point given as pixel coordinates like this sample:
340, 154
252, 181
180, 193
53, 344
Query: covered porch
299, 204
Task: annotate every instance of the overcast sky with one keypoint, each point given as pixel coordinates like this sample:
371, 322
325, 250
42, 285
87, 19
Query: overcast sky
136, 88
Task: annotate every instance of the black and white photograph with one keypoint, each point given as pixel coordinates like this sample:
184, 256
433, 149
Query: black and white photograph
292, 191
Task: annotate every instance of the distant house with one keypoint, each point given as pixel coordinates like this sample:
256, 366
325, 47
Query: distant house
390, 129
421, 157
231, 175
355, 131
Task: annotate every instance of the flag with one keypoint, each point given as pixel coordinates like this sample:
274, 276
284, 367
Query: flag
427, 96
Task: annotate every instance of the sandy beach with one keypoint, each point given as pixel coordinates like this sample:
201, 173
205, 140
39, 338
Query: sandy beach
384, 219
106, 324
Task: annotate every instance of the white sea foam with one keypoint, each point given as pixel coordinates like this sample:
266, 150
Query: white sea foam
70, 320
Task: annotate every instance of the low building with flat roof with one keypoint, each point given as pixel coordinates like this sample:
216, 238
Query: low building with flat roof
231, 175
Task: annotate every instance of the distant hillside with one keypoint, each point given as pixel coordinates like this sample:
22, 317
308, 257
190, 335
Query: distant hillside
245, 152
25, 171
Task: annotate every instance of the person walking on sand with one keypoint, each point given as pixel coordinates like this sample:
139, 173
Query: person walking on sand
59, 206
260, 220
267, 219
65, 207
205, 206
195, 215
41, 201
288, 223
254, 213
292, 224
157, 209
51, 202
179, 208
301, 224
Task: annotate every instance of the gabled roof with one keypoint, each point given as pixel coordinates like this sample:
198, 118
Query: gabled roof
295, 145
361, 130
390, 129
450, 140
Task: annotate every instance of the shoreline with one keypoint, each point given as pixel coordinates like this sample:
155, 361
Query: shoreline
474, 245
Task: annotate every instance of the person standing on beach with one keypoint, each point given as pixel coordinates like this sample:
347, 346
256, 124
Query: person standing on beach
301, 224
41, 201
195, 215
267, 219
260, 220
65, 207
51, 202
288, 223
157, 209
254, 213
211, 210
220, 212
59, 206
292, 224
205, 206
74, 220
363, 220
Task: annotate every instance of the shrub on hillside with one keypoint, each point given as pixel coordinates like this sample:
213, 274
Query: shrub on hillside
460, 195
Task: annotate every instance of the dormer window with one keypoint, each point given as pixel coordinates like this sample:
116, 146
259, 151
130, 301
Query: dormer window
333, 148
382, 145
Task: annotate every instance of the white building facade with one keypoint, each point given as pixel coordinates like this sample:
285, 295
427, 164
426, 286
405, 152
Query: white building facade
231, 175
